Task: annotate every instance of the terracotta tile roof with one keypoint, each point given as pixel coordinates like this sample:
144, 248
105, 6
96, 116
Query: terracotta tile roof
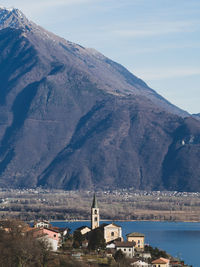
166, 260
124, 244
160, 261
135, 235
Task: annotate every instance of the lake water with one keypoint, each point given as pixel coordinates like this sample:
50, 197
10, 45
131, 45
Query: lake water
180, 239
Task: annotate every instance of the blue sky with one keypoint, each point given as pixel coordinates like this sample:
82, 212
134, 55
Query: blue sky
157, 40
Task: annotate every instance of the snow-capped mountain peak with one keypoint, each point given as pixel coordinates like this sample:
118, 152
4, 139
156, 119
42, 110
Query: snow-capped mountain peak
5, 8
13, 18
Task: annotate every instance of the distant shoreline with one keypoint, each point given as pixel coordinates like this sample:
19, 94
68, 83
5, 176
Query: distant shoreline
72, 221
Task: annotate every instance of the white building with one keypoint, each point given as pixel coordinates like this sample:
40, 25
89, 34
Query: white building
41, 224
140, 263
126, 247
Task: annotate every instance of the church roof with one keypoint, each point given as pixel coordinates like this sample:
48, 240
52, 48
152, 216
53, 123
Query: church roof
135, 235
103, 225
94, 203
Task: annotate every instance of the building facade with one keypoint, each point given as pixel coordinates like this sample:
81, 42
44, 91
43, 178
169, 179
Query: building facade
138, 238
126, 247
112, 232
40, 224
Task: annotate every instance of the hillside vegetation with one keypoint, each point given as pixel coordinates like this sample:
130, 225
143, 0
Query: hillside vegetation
116, 205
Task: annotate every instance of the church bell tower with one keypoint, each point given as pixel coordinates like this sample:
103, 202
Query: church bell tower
94, 214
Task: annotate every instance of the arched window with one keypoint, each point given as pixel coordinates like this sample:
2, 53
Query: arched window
112, 233
95, 212
95, 219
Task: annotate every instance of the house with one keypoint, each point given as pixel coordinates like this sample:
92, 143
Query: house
126, 247
139, 263
176, 264
51, 236
161, 262
143, 255
40, 224
110, 245
138, 238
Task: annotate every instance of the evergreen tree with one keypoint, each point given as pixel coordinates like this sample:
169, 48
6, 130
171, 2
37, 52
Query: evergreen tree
96, 240
119, 256
78, 239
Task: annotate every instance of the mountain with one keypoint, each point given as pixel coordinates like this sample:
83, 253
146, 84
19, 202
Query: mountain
71, 118
196, 116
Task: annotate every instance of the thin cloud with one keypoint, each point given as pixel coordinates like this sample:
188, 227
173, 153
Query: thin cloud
52, 3
39, 5
158, 28
162, 47
166, 73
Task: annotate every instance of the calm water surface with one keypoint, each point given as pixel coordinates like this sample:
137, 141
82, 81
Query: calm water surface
179, 239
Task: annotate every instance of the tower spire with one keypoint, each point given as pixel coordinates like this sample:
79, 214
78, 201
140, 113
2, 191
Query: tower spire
94, 203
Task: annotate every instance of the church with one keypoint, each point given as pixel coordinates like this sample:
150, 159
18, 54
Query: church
111, 231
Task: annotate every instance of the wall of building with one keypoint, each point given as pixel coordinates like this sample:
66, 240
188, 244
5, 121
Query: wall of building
138, 240
51, 234
160, 265
94, 218
112, 232
128, 251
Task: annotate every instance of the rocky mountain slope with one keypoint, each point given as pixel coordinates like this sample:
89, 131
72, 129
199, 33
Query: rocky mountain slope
196, 116
71, 118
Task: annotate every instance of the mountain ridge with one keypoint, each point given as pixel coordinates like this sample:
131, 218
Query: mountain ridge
72, 118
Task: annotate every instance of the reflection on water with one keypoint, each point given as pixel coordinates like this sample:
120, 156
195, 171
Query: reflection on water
178, 239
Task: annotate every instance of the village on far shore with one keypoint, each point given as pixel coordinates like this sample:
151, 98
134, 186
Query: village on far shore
101, 244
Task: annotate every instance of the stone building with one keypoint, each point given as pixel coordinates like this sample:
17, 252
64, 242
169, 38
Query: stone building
126, 247
112, 232
138, 238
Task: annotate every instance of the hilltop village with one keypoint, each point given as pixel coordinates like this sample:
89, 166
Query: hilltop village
98, 245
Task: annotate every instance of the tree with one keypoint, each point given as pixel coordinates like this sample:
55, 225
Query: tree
119, 256
78, 239
20, 249
156, 253
96, 239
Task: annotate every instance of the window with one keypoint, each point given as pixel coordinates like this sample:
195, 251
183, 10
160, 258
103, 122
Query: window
129, 249
138, 246
95, 219
95, 212
124, 249
112, 233
54, 235
138, 241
